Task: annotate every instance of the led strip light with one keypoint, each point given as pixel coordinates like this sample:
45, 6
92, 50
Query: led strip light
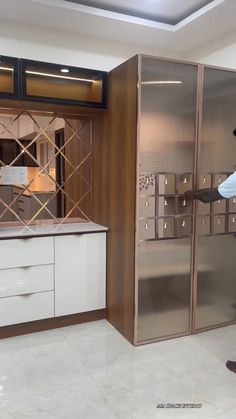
162, 82
57, 76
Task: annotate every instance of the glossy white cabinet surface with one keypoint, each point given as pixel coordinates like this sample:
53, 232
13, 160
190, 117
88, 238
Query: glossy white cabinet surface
50, 229
26, 252
21, 309
80, 273
17, 281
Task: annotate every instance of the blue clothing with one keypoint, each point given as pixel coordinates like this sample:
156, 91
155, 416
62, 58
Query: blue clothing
227, 189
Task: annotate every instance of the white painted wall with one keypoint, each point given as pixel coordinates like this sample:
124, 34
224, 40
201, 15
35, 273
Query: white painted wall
221, 53
26, 41
37, 43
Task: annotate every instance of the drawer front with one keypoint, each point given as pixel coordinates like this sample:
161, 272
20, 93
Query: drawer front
232, 223
218, 179
147, 229
26, 252
232, 204
166, 184
166, 227
219, 224
184, 207
203, 208
23, 309
219, 207
183, 226
166, 206
204, 224
205, 181
184, 183
147, 206
26, 280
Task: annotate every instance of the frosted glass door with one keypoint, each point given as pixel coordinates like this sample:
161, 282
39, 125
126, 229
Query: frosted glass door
216, 261
166, 165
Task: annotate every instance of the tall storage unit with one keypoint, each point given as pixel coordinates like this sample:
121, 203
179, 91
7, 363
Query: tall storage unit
171, 263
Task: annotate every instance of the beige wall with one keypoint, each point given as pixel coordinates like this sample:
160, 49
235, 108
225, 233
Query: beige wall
65, 48
221, 53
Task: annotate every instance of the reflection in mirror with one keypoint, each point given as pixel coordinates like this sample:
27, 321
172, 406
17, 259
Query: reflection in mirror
6, 77
45, 168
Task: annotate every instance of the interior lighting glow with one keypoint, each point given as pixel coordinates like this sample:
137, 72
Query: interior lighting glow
162, 82
57, 76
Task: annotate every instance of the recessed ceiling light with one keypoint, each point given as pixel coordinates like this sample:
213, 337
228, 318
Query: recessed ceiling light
65, 70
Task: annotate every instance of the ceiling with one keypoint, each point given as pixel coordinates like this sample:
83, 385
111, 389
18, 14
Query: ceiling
166, 25
155, 10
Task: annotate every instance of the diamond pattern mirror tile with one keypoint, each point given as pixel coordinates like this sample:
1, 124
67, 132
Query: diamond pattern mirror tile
45, 167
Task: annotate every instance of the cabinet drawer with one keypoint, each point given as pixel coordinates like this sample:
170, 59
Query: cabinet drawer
26, 252
26, 280
147, 206
219, 224
147, 229
21, 309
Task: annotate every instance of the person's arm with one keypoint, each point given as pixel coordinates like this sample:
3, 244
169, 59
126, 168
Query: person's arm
204, 195
226, 189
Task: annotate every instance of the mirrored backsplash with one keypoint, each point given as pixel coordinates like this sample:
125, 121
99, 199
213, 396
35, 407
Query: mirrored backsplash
45, 168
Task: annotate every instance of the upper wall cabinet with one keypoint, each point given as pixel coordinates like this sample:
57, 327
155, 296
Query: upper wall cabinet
45, 82
9, 77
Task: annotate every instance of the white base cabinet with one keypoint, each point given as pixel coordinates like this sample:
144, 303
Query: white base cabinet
80, 270
47, 277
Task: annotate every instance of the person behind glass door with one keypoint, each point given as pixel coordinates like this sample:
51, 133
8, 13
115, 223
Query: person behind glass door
225, 190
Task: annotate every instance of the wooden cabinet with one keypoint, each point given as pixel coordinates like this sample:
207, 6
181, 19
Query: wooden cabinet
80, 270
154, 142
56, 83
52, 83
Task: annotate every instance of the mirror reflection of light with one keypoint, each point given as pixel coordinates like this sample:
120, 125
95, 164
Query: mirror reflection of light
162, 82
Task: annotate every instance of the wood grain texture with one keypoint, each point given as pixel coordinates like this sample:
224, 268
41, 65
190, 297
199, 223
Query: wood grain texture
53, 323
59, 109
78, 151
114, 191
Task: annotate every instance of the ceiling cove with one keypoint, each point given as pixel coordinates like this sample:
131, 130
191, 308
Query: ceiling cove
161, 14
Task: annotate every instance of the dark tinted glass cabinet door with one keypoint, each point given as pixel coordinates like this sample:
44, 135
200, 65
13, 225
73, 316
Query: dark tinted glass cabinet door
8, 77
56, 83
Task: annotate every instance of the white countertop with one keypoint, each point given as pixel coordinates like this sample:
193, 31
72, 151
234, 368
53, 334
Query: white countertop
50, 230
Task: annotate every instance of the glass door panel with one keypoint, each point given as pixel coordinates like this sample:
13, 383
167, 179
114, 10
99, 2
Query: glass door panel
8, 77
164, 288
54, 82
216, 262
166, 165
216, 290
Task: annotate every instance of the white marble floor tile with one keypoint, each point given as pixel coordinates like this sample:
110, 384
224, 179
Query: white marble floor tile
90, 371
82, 400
